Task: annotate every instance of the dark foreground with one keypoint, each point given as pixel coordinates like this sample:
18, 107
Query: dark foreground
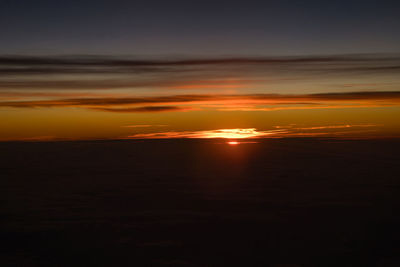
293, 202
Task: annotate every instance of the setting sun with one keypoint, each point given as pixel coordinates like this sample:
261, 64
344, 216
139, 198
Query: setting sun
232, 143
231, 133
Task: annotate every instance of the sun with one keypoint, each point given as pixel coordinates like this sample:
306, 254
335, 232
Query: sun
233, 143
230, 133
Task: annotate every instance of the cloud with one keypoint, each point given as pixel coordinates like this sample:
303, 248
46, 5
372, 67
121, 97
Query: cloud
253, 133
108, 101
239, 133
144, 109
101, 72
336, 127
144, 126
313, 106
357, 96
252, 102
108, 61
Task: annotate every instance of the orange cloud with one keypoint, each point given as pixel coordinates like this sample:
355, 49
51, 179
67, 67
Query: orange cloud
144, 126
336, 126
213, 84
220, 133
252, 102
253, 133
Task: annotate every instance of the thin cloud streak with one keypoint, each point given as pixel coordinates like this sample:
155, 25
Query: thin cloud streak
253, 133
312, 106
144, 126
336, 127
252, 102
119, 61
144, 109
49, 73
208, 134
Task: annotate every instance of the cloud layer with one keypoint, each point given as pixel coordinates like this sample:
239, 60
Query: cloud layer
220, 102
253, 133
102, 73
251, 87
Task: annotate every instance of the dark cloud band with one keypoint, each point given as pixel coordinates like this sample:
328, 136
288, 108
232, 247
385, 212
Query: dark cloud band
171, 103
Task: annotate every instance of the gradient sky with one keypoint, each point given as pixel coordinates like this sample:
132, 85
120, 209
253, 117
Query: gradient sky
199, 27
162, 69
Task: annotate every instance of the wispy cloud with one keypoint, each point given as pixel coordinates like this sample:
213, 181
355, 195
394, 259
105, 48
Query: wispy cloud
251, 84
253, 102
219, 133
102, 73
144, 109
108, 61
116, 84
335, 127
144, 126
253, 133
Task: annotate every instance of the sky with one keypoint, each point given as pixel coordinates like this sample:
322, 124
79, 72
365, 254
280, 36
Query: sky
188, 69
151, 27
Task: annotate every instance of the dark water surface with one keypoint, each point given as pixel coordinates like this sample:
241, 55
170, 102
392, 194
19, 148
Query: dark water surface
281, 202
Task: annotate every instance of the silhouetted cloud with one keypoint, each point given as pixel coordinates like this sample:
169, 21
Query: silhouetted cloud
357, 96
98, 102
144, 109
21, 72
123, 62
224, 102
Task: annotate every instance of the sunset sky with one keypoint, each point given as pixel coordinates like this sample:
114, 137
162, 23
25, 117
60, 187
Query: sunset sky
199, 69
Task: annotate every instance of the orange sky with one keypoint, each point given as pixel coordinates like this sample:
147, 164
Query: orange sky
354, 97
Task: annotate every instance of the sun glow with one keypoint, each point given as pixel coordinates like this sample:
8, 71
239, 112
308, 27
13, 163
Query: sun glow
233, 143
231, 133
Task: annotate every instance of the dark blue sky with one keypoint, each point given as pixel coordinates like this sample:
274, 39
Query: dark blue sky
199, 27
